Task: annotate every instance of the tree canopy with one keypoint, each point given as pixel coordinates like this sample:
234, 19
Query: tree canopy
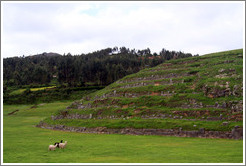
101, 67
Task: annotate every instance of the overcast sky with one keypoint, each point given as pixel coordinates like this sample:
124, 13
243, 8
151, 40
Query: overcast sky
82, 27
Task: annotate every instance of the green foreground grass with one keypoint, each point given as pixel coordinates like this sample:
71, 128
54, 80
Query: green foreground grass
24, 143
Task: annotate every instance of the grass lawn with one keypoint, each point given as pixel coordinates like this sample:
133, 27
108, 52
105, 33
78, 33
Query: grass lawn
24, 143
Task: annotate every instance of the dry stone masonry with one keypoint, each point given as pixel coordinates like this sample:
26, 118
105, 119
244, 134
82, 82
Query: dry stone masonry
236, 133
183, 90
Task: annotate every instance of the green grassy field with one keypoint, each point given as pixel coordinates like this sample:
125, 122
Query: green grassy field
20, 91
25, 143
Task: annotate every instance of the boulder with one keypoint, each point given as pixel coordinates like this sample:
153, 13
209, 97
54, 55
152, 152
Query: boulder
225, 123
237, 132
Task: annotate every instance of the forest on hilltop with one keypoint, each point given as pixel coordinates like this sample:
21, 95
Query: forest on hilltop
97, 68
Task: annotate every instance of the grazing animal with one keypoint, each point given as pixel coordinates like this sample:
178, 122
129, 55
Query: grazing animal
53, 147
58, 143
63, 145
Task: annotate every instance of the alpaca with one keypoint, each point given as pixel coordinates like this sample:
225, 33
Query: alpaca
53, 147
63, 145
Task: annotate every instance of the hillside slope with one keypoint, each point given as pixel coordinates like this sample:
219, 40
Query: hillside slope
195, 96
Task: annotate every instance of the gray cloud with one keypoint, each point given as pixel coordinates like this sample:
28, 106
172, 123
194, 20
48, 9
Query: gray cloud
30, 28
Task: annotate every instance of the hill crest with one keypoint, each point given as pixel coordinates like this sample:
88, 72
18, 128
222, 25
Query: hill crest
197, 93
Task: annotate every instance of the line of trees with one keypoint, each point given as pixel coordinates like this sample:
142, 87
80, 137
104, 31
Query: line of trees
97, 68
